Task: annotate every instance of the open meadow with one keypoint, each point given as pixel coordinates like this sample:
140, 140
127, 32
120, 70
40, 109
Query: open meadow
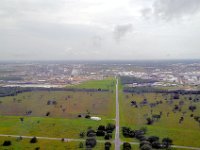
164, 115
58, 104
57, 114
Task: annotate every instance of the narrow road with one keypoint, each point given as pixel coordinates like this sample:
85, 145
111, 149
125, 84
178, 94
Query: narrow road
117, 139
50, 138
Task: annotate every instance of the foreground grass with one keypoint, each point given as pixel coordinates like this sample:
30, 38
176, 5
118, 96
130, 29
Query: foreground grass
25, 144
47, 127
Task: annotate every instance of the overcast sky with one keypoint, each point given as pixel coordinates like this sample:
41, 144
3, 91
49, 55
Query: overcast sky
99, 29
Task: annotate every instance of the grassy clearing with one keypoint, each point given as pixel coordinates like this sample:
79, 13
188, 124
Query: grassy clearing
47, 127
187, 133
106, 84
25, 144
68, 104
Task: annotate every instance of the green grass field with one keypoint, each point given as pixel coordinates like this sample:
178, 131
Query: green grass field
106, 84
186, 133
47, 127
68, 104
63, 121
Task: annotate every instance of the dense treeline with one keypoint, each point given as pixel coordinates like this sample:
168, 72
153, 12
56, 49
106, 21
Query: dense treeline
130, 80
156, 90
11, 78
13, 91
143, 90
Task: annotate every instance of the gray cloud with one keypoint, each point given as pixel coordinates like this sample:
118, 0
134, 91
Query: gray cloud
85, 29
146, 12
121, 30
97, 41
172, 9
169, 9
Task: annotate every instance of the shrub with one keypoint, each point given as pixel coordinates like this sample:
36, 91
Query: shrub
152, 139
82, 134
145, 143
91, 133
7, 143
33, 140
100, 133
144, 129
167, 142
87, 116
110, 127
101, 127
107, 145
149, 121
108, 137
81, 145
156, 145
146, 147
126, 146
90, 143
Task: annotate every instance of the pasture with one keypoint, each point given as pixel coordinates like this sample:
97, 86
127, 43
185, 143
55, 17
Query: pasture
48, 127
106, 84
176, 119
64, 104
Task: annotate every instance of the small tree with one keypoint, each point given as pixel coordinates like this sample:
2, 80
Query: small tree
167, 142
192, 108
21, 119
87, 116
146, 147
102, 127
81, 145
108, 136
100, 133
107, 145
90, 143
33, 140
110, 127
82, 134
7, 143
149, 121
144, 129
48, 113
91, 133
126, 146
152, 139
145, 143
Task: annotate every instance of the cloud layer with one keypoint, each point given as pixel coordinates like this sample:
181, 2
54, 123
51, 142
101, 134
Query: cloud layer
99, 29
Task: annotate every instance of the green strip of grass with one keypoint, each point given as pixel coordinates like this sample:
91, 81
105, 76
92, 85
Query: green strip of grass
106, 84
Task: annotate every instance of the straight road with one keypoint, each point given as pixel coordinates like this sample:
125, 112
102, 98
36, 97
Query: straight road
117, 139
50, 138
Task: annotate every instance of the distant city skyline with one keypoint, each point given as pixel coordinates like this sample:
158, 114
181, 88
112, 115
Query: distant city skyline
99, 29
